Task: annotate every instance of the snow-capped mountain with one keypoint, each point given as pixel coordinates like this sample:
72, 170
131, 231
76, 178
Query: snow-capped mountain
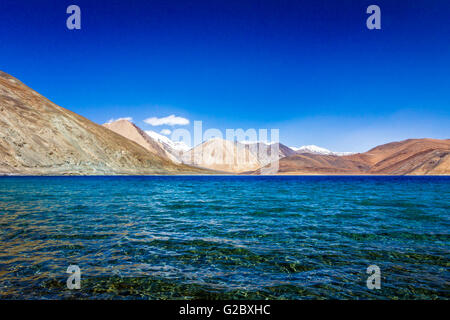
175, 145
222, 155
263, 150
255, 142
311, 149
318, 150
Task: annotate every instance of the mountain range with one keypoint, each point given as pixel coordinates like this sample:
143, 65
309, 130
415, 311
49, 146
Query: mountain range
413, 156
318, 150
41, 138
37, 137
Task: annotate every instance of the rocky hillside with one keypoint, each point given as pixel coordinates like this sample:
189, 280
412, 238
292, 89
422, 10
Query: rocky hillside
409, 157
264, 154
39, 137
413, 156
222, 155
130, 131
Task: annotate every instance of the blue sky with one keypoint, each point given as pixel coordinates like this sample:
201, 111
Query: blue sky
310, 68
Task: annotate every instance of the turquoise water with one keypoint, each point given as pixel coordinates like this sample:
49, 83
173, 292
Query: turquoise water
224, 237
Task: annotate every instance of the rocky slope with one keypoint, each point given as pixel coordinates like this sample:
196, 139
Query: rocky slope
130, 131
318, 150
263, 151
413, 156
409, 157
222, 155
174, 148
39, 137
320, 164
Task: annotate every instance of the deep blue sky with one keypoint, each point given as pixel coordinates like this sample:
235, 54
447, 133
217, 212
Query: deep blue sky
310, 68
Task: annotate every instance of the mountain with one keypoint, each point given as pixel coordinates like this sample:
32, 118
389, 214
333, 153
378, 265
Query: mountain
310, 163
263, 151
408, 157
39, 137
318, 150
311, 149
173, 148
173, 145
412, 156
222, 155
130, 131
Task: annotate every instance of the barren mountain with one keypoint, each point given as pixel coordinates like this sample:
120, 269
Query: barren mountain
175, 148
130, 131
409, 157
413, 156
318, 150
222, 155
263, 151
320, 164
39, 137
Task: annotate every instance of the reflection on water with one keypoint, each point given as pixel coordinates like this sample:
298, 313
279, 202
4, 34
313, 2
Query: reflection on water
224, 237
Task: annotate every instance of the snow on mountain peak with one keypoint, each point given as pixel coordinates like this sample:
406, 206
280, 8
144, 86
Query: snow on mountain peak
311, 149
255, 142
176, 145
318, 150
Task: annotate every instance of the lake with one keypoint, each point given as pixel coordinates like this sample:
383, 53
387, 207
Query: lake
224, 237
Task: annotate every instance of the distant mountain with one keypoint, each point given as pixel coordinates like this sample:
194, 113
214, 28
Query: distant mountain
310, 163
39, 137
408, 157
318, 150
263, 151
175, 148
222, 155
134, 133
412, 156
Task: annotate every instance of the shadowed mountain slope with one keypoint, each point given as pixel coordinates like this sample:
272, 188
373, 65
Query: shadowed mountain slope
130, 131
222, 155
39, 137
408, 157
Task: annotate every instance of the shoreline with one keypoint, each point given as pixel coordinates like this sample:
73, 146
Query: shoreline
220, 175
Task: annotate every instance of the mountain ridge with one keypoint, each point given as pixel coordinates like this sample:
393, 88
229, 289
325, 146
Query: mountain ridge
223, 156
408, 157
132, 132
40, 138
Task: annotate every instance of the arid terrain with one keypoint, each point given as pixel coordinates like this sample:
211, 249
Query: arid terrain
408, 157
40, 138
223, 156
130, 131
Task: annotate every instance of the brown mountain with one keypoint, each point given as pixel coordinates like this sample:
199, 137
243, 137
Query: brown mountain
222, 155
130, 131
409, 157
309, 163
413, 156
264, 154
39, 137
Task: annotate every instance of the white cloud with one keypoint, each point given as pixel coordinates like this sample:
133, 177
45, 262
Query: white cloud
166, 132
125, 118
171, 120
